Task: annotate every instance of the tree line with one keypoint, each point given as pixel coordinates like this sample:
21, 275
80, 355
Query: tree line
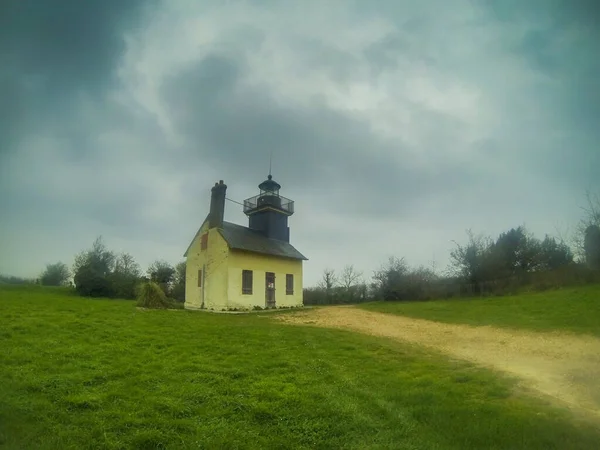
100, 272
481, 266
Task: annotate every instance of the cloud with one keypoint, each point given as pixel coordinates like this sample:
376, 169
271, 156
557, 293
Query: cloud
51, 53
393, 126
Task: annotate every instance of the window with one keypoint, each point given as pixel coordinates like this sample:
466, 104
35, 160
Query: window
204, 241
246, 282
200, 278
289, 284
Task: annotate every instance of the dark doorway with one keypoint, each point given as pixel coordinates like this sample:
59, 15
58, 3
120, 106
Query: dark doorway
270, 289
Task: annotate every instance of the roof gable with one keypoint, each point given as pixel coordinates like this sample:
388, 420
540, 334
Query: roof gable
195, 236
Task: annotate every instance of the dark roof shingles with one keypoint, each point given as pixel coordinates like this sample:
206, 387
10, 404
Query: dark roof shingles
242, 238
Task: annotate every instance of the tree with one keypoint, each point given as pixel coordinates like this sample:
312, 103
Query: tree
350, 276
125, 276
388, 279
473, 262
395, 280
362, 292
591, 218
514, 252
7, 279
125, 264
99, 257
180, 273
178, 291
418, 283
329, 279
349, 280
56, 274
592, 246
92, 269
553, 254
162, 273
592, 210
328, 283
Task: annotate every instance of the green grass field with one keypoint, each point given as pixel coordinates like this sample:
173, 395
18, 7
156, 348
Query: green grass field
99, 374
575, 310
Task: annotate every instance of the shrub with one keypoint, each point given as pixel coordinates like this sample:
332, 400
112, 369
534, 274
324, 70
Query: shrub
150, 295
55, 275
175, 304
92, 283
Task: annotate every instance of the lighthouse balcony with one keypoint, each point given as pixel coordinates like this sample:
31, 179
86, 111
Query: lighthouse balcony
261, 201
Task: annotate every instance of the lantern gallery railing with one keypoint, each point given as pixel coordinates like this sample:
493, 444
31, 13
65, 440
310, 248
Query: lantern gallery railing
274, 201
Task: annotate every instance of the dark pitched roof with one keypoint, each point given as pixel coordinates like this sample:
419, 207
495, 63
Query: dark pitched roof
243, 238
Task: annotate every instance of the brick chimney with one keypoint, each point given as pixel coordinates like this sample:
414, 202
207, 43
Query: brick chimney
217, 205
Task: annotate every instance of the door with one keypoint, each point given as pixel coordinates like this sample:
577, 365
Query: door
270, 289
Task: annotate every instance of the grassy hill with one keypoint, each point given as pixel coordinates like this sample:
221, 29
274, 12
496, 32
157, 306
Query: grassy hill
574, 309
81, 373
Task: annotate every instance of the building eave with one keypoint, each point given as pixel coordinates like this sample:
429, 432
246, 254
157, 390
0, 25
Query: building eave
271, 255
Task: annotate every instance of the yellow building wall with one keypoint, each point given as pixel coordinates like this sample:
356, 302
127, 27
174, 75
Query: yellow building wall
222, 276
195, 259
213, 262
260, 265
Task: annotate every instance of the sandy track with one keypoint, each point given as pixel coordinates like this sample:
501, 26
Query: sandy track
563, 366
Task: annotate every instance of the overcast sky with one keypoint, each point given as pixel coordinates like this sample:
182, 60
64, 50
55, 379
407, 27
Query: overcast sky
394, 125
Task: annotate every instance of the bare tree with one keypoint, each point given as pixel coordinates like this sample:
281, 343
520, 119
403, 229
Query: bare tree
125, 276
433, 264
328, 283
329, 279
562, 234
350, 279
350, 276
592, 210
126, 265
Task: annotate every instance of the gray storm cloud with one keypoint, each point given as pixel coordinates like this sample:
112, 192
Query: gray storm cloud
394, 127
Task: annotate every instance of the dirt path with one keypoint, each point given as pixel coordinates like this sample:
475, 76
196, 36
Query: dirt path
563, 366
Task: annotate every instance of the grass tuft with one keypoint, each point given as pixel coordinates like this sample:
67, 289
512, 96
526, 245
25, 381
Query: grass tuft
150, 295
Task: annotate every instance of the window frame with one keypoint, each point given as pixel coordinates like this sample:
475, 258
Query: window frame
289, 284
247, 282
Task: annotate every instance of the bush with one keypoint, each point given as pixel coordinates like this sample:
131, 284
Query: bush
91, 269
92, 283
55, 275
175, 304
150, 295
